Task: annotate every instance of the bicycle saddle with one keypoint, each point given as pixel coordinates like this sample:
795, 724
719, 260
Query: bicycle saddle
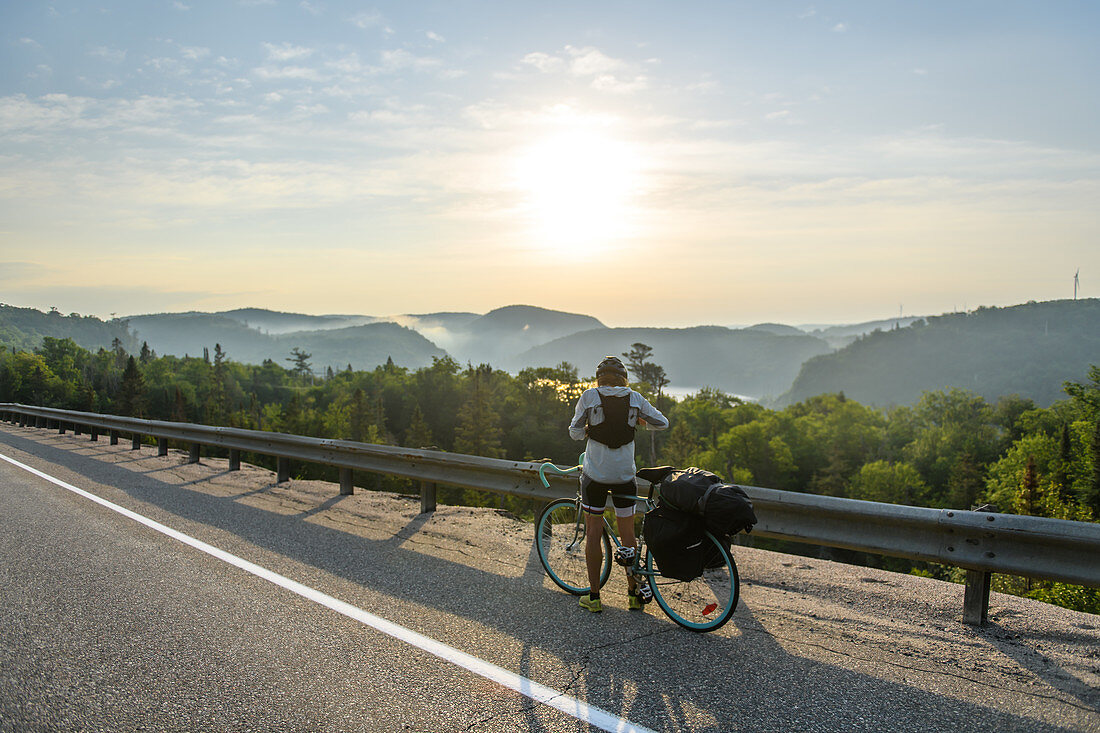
655, 475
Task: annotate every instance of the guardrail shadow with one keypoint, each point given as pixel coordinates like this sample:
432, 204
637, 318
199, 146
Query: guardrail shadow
637, 665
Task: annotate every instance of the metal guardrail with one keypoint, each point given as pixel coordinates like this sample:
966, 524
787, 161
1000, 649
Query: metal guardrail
981, 542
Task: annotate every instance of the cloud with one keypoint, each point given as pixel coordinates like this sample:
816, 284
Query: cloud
114, 55
36, 119
706, 86
590, 61
30, 42
544, 62
606, 74
366, 20
286, 51
840, 28
275, 73
311, 7
608, 83
180, 6
398, 59
194, 53
433, 36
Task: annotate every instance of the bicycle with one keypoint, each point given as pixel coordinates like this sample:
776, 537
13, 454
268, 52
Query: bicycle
702, 604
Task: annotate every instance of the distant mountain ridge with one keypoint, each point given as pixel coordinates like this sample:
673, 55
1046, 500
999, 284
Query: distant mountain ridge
1028, 349
744, 361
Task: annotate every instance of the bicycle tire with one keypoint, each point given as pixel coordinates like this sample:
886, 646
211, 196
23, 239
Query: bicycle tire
559, 541
702, 604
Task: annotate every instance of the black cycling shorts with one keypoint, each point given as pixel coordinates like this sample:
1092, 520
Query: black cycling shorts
594, 496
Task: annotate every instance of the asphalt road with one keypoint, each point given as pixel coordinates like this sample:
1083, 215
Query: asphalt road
108, 625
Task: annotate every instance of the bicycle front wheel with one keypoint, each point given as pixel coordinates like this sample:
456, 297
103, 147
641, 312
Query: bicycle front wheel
702, 604
560, 539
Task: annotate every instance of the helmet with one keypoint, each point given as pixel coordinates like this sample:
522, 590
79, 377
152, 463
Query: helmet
611, 365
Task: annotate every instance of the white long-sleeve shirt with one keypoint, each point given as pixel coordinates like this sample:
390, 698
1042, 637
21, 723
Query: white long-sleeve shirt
611, 465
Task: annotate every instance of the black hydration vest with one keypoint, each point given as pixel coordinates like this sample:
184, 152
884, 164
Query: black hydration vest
614, 432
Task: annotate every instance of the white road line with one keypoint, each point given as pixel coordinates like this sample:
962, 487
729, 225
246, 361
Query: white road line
559, 700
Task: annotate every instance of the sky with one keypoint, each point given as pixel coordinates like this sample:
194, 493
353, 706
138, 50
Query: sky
650, 164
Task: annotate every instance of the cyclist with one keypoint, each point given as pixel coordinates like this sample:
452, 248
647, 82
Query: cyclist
607, 415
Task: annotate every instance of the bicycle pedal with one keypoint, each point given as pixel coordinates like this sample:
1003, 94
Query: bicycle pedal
645, 593
625, 556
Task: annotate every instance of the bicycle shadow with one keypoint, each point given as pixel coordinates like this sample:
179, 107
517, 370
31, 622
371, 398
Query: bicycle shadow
637, 665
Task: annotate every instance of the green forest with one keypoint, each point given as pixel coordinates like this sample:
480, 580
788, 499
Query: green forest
951, 448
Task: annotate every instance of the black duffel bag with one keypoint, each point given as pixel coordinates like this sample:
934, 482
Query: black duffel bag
726, 508
678, 542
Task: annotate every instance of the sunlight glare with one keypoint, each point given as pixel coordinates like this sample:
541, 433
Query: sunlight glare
578, 188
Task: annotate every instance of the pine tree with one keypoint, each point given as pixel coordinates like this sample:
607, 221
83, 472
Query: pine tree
216, 406
147, 354
131, 393
300, 360
360, 420
1028, 497
1091, 498
418, 434
478, 430
1065, 460
179, 407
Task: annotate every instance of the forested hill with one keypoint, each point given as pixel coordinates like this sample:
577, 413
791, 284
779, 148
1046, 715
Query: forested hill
24, 328
1028, 350
363, 346
745, 361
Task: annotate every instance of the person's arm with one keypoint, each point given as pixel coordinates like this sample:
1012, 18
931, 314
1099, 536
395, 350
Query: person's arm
580, 419
649, 416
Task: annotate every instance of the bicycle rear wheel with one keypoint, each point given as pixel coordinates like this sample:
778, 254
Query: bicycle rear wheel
559, 539
702, 604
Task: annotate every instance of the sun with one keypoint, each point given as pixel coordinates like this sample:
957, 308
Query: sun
579, 188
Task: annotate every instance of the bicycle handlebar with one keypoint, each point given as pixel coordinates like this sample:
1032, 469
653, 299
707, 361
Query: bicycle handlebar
550, 466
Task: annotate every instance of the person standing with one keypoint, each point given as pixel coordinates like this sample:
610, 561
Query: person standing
607, 416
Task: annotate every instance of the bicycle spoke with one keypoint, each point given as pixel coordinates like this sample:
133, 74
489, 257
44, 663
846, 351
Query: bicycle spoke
704, 603
560, 541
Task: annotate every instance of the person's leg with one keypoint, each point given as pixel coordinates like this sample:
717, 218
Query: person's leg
626, 536
593, 549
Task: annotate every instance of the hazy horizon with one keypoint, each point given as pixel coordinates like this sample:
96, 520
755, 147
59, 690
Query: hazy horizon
398, 316
666, 165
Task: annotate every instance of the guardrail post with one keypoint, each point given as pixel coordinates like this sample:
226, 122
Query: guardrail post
976, 598
135, 441
193, 456
77, 429
60, 427
93, 433
347, 488
114, 437
234, 459
162, 446
427, 497
978, 582
282, 474
38, 421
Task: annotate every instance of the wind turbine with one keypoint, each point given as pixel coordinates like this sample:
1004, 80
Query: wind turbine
1075, 282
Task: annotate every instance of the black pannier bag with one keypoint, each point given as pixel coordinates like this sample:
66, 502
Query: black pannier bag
678, 542
726, 508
